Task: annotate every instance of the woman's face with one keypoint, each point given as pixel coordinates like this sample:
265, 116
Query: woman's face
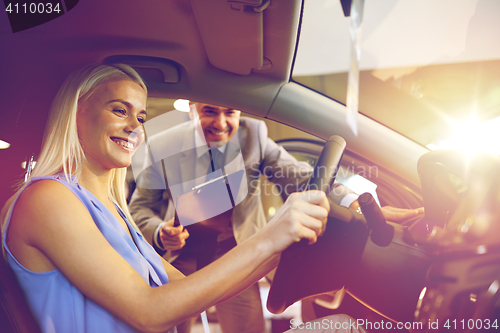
110, 123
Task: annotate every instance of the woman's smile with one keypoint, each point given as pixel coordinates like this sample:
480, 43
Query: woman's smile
115, 112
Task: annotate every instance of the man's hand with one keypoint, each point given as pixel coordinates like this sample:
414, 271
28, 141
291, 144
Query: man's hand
394, 214
172, 238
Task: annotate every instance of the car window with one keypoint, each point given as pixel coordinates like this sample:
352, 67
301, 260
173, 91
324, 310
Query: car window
162, 116
432, 75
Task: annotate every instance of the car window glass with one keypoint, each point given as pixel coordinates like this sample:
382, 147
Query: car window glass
163, 116
432, 82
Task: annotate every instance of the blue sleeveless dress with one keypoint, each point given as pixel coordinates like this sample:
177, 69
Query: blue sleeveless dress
56, 304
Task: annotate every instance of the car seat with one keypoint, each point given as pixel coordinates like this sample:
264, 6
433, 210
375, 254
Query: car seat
15, 314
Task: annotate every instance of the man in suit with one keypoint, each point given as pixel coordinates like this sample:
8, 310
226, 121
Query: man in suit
217, 141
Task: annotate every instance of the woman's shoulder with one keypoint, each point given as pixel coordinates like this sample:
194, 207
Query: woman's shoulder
39, 220
45, 189
42, 197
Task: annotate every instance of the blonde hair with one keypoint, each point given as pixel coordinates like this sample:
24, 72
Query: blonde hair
61, 149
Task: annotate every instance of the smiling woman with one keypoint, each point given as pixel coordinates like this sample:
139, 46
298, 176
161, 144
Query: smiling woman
110, 122
62, 149
69, 238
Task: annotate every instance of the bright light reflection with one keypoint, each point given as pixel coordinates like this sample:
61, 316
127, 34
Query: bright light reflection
4, 145
422, 293
23, 164
481, 249
493, 287
359, 184
271, 211
473, 137
182, 105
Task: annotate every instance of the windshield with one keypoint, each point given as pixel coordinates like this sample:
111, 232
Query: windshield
429, 69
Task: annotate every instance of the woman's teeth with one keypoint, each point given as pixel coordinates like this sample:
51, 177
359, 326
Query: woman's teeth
125, 144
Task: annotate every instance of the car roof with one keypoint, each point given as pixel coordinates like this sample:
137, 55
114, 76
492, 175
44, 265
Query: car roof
166, 33
195, 50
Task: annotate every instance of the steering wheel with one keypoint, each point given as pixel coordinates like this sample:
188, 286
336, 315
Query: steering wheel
376, 261
294, 267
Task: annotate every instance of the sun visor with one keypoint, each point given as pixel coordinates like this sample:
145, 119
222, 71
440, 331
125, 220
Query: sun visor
232, 33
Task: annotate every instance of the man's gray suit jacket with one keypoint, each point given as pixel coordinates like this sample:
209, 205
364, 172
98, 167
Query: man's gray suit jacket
260, 155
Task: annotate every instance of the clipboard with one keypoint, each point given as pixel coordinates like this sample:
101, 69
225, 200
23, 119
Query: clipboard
209, 199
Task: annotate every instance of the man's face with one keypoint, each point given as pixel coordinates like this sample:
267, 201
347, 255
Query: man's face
218, 124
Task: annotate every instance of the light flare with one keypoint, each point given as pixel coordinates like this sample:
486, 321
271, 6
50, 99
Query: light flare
472, 136
4, 144
182, 105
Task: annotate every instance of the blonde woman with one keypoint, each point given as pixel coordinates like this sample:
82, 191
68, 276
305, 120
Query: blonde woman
73, 246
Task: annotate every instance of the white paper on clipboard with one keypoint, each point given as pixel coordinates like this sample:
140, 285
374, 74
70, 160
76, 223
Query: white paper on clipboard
209, 199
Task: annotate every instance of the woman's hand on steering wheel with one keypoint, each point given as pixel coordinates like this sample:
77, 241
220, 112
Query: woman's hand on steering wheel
304, 215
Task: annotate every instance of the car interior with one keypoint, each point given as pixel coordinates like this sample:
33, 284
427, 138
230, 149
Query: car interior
425, 133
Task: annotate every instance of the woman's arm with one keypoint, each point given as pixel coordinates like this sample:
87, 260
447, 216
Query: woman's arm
49, 220
264, 269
